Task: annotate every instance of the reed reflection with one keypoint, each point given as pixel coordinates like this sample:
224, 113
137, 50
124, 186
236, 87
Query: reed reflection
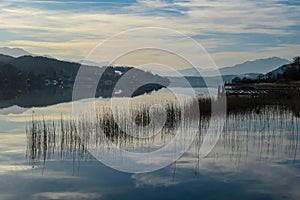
263, 133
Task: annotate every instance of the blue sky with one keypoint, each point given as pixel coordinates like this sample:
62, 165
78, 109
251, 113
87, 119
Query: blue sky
231, 31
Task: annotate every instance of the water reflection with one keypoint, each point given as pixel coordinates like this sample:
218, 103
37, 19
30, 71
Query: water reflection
274, 130
272, 134
45, 90
257, 157
70, 139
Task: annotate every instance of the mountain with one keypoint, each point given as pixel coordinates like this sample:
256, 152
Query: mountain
14, 52
200, 82
43, 66
5, 58
92, 63
21, 77
257, 66
247, 70
285, 73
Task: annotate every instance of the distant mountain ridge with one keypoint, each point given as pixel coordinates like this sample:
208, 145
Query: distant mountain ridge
14, 52
53, 68
259, 66
256, 66
284, 74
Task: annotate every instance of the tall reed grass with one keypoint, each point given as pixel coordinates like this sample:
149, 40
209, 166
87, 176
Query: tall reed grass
255, 123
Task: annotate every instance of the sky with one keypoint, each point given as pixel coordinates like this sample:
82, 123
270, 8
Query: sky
231, 31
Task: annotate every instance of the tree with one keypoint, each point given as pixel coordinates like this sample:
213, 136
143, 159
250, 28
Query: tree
260, 78
296, 60
236, 80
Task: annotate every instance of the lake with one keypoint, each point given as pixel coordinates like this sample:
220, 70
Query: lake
42, 156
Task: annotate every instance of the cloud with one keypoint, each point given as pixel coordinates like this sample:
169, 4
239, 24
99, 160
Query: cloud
13, 168
73, 28
66, 195
142, 180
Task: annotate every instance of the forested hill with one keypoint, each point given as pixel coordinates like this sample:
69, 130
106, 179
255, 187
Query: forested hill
289, 72
28, 72
285, 73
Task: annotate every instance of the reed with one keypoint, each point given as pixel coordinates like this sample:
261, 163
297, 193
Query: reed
252, 123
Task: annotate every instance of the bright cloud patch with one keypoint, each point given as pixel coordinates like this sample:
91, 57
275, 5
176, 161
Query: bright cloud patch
70, 29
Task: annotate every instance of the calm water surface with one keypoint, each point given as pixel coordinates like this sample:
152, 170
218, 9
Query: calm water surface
256, 157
